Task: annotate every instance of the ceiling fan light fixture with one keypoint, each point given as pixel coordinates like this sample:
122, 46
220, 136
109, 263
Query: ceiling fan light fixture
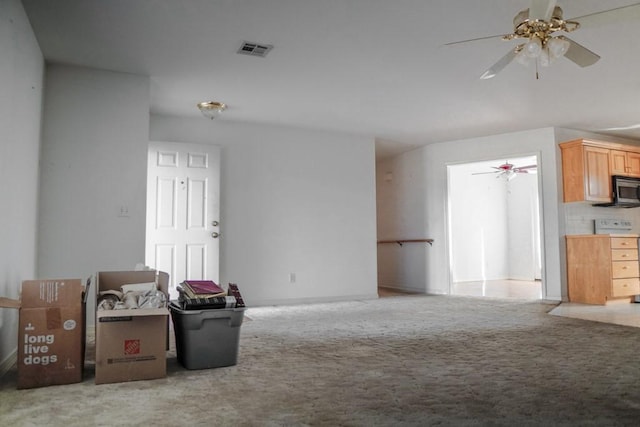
533, 47
558, 47
211, 109
523, 59
537, 27
509, 175
545, 58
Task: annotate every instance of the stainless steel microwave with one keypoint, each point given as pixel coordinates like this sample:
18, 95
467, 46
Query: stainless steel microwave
626, 192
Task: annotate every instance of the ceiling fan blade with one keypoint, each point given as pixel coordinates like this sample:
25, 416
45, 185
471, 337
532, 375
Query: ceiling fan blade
499, 66
526, 167
610, 16
580, 54
628, 127
474, 40
484, 173
541, 9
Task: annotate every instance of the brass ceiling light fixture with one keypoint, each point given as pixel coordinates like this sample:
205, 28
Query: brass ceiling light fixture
541, 44
211, 109
539, 28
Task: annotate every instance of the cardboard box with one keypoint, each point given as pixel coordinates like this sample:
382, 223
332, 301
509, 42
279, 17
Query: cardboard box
131, 344
51, 332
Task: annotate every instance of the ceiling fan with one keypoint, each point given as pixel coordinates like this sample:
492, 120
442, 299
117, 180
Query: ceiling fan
509, 170
539, 26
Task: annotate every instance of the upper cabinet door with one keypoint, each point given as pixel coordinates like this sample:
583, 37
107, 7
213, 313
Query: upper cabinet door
586, 174
618, 162
633, 164
597, 183
625, 163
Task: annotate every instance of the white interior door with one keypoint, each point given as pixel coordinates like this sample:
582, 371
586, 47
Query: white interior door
183, 208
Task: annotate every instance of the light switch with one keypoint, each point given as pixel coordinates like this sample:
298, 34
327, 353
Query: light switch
123, 211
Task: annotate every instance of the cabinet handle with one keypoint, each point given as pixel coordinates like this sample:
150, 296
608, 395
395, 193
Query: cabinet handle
624, 255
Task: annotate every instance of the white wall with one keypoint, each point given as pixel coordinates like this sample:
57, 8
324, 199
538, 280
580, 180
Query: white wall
523, 223
427, 191
94, 160
21, 81
479, 232
292, 201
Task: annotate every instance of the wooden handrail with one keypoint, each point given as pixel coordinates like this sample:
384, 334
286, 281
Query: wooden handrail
401, 241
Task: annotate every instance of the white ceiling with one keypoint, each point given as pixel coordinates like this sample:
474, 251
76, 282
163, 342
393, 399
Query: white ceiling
369, 67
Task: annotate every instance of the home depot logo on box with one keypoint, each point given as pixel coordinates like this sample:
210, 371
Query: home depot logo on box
131, 346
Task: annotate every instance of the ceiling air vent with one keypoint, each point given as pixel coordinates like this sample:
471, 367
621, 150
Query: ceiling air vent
255, 49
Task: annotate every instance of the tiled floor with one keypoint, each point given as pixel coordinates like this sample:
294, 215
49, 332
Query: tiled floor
627, 314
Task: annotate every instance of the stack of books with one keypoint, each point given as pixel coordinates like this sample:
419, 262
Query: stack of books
202, 289
235, 292
206, 294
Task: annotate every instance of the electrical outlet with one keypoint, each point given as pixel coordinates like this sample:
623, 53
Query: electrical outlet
292, 277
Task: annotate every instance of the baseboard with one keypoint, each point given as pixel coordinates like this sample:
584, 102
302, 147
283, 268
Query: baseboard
9, 362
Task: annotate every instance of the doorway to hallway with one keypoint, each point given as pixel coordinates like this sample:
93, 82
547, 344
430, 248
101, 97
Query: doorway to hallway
494, 230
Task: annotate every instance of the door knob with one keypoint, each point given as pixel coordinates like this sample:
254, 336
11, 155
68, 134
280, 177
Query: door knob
215, 235
215, 223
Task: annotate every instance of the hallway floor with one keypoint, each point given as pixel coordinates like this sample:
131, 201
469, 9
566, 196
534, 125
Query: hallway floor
619, 313
522, 289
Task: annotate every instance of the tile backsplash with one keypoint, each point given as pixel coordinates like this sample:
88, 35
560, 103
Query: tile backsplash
579, 217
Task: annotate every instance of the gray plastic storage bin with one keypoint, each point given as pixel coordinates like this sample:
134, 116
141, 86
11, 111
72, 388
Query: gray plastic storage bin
207, 338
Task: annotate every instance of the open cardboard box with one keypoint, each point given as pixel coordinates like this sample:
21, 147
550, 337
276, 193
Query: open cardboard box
131, 344
51, 332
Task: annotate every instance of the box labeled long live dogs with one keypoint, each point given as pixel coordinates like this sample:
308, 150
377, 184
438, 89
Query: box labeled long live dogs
51, 333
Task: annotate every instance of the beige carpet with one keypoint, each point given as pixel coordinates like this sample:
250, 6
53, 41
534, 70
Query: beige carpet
406, 360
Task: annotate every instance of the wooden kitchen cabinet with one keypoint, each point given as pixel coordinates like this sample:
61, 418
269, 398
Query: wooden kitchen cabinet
633, 163
624, 163
585, 172
587, 167
602, 268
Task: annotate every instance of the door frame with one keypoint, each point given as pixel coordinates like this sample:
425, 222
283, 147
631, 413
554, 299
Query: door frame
448, 212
